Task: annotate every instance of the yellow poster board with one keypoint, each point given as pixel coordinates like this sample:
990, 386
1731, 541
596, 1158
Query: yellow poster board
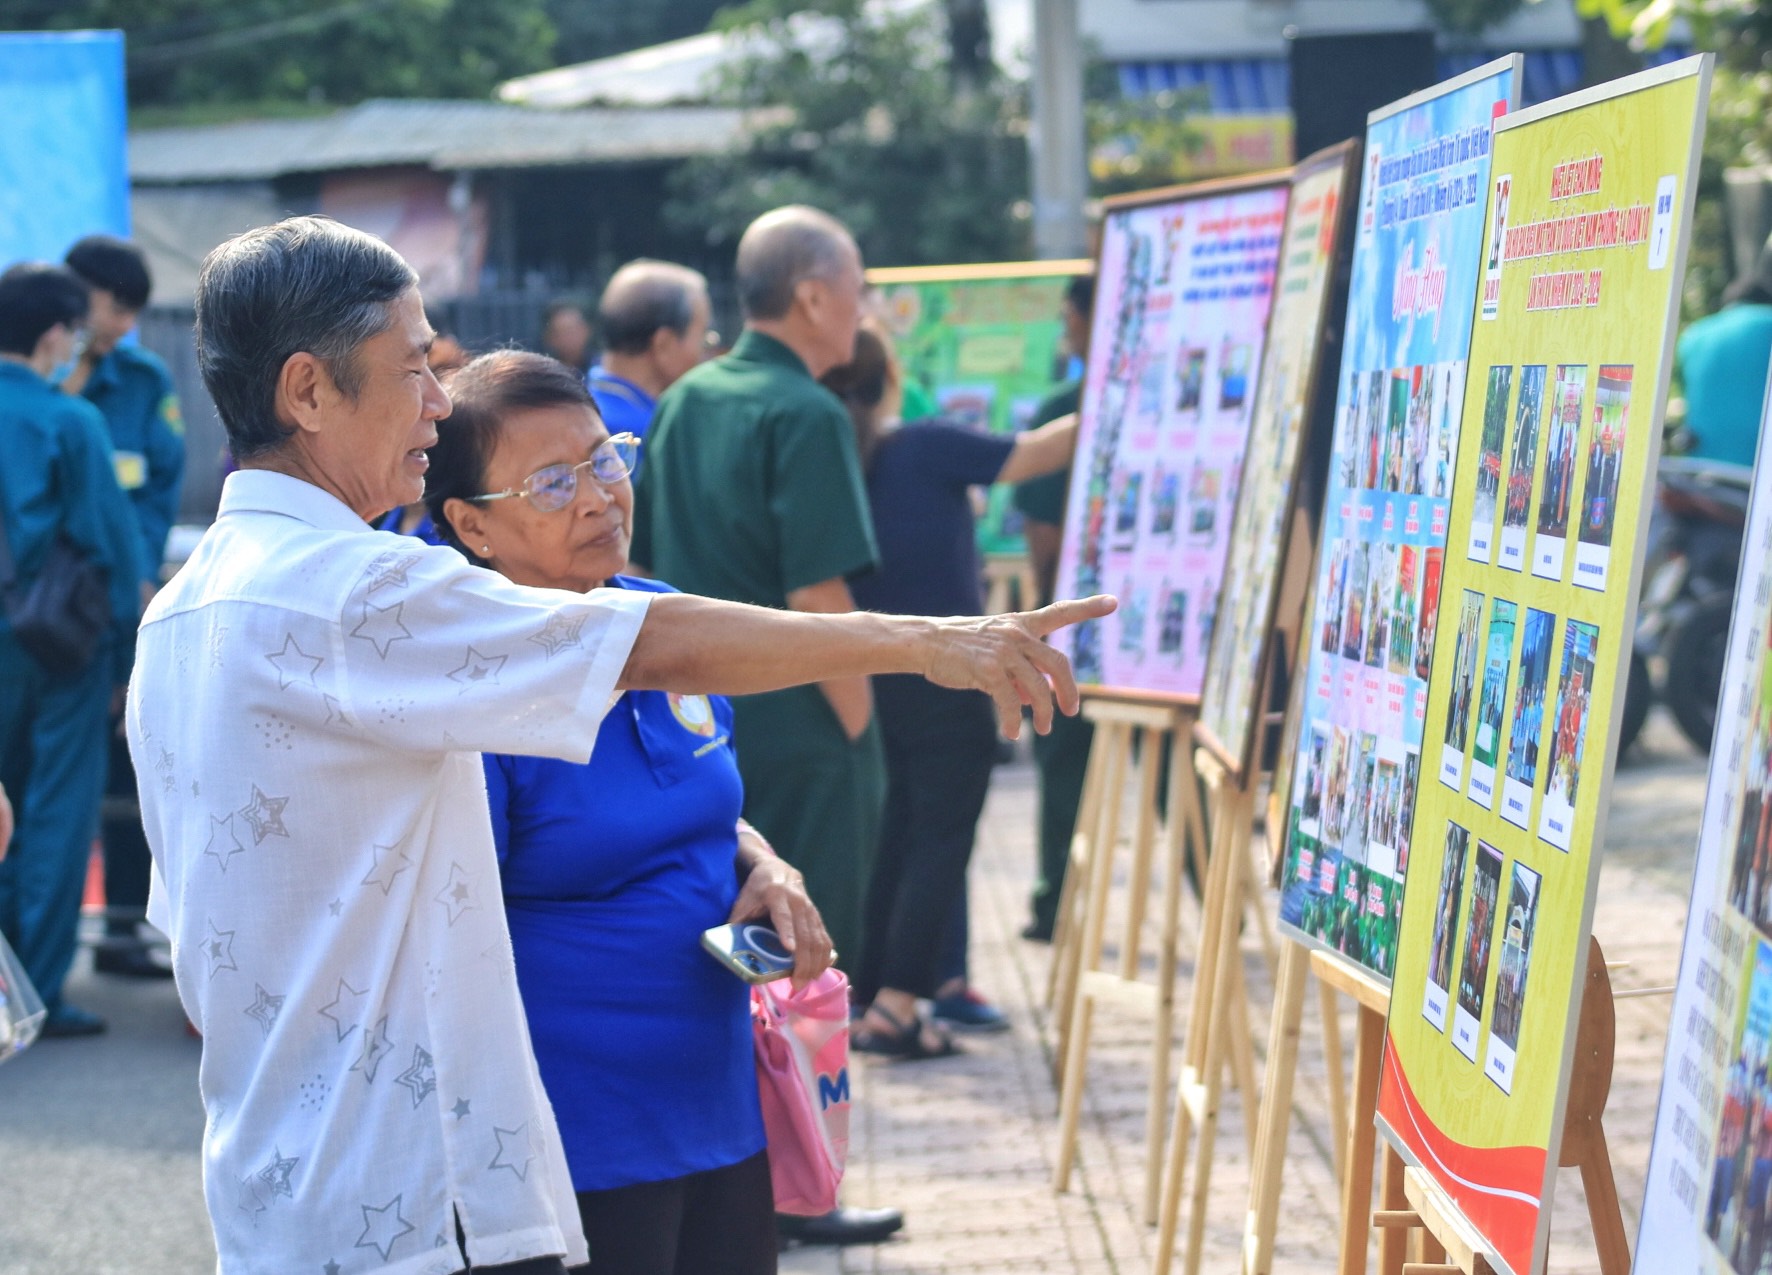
1590, 202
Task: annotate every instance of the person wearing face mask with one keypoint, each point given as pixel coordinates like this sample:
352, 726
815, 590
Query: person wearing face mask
133, 390
58, 482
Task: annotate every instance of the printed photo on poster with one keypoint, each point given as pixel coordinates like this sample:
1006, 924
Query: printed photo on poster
1439, 965
1528, 722
1382, 565
1190, 377
1735, 1217
1334, 598
1559, 472
1504, 189
1492, 702
1556, 821
1522, 465
1384, 834
1205, 488
1750, 865
1134, 614
1482, 533
1165, 503
1430, 611
1396, 436
1404, 605
1520, 921
1311, 777
1172, 627
1128, 488
1464, 679
1599, 493
1479, 936
1353, 625
1234, 372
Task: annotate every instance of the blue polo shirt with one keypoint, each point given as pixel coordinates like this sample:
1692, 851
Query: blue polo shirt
611, 871
624, 406
133, 391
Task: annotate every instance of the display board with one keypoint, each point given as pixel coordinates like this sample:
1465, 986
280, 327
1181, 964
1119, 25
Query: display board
1711, 1158
1184, 283
1230, 706
987, 342
1589, 208
64, 170
1370, 633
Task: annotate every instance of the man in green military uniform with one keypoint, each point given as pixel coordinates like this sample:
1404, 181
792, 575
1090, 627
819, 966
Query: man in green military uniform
133, 391
1062, 755
752, 491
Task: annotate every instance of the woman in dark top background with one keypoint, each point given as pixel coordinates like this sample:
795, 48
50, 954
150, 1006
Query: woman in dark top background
940, 744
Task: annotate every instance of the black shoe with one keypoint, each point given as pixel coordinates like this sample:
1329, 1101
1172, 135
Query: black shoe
134, 960
1037, 932
71, 1020
842, 1225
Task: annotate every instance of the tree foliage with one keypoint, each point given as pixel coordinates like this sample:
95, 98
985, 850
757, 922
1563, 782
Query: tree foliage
865, 118
588, 29
193, 52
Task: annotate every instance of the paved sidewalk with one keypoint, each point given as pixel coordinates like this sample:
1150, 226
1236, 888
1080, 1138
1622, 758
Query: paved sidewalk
99, 1168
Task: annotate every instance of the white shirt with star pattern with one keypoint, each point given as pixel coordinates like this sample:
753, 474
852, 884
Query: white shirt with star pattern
309, 701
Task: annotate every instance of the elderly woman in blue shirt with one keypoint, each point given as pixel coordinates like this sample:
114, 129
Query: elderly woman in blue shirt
611, 870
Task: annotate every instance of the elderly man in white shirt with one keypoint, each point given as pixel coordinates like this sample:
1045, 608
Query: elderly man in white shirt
308, 700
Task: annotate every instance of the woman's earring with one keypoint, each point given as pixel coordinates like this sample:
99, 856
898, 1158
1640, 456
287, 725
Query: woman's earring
485, 551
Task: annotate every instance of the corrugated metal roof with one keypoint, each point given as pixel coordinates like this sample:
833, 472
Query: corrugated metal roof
442, 135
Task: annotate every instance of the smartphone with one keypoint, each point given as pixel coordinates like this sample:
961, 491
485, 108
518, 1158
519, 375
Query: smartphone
750, 950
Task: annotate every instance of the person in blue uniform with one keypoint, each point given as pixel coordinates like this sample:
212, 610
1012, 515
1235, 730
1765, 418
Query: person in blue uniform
133, 390
612, 869
1722, 361
653, 320
58, 479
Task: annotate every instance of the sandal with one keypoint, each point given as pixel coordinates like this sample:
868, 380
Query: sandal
905, 1041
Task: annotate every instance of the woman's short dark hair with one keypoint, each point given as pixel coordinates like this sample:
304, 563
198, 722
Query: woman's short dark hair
484, 392
116, 265
862, 383
34, 297
305, 284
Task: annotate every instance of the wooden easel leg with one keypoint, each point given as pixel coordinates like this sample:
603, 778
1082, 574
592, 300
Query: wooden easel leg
1356, 1181
1255, 891
1602, 1206
1234, 1014
1104, 838
1182, 791
1268, 1161
1336, 1076
1226, 903
1067, 928
1144, 836
1393, 1244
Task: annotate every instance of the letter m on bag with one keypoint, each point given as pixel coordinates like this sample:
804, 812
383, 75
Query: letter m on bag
833, 1089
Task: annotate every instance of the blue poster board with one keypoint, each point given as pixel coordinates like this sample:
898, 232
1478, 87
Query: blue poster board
1366, 645
64, 164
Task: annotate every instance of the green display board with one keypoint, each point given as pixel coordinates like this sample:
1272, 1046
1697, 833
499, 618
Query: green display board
985, 342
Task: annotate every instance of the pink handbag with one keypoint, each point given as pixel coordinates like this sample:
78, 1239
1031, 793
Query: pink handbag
803, 1081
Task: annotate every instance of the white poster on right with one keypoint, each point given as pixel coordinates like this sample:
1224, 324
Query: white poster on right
1709, 1193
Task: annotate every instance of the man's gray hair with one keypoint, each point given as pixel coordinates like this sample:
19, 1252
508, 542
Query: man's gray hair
305, 284
644, 296
781, 248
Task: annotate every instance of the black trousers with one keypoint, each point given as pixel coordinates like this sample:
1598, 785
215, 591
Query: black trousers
721, 1222
128, 864
940, 748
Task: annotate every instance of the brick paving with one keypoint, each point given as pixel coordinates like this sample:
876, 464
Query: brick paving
966, 1146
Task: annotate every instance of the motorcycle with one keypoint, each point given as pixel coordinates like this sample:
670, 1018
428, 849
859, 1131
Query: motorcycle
1682, 638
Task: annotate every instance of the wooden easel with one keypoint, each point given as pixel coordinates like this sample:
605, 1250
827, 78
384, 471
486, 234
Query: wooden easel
1218, 1020
1009, 583
1127, 735
1427, 1209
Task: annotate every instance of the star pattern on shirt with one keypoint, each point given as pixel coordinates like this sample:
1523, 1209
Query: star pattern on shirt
335, 906
461, 1108
420, 1078
224, 842
381, 627
250, 1199
456, 896
293, 664
264, 1009
275, 1175
163, 765
559, 633
515, 1151
217, 640
335, 712
218, 950
389, 568
331, 1268
477, 668
388, 863
345, 1009
265, 815
376, 1046
383, 1227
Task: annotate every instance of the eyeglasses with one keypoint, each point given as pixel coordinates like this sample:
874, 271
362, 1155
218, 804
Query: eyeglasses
556, 486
